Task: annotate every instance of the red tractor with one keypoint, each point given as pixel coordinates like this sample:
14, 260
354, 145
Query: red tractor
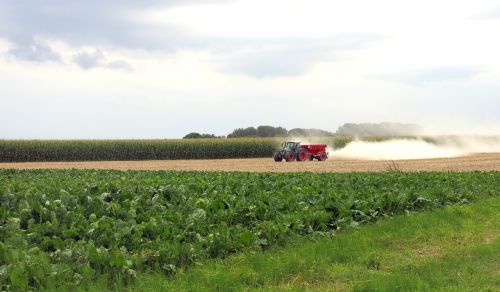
291, 151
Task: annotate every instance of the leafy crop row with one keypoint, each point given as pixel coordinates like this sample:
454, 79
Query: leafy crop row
61, 227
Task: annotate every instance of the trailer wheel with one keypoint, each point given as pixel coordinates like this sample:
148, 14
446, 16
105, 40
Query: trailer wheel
302, 155
277, 157
322, 157
289, 156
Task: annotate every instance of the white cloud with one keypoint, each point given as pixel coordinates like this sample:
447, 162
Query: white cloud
4, 45
426, 76
215, 67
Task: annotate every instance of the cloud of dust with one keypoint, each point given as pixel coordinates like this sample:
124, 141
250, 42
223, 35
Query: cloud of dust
439, 147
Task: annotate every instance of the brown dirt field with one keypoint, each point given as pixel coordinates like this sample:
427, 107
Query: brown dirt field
483, 162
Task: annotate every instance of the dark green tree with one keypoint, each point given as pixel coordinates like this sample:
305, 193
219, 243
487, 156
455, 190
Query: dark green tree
192, 135
269, 131
240, 132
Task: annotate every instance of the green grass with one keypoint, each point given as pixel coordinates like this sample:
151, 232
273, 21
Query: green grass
452, 249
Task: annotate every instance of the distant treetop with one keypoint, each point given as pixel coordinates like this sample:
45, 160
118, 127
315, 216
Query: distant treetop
270, 131
298, 132
194, 135
348, 129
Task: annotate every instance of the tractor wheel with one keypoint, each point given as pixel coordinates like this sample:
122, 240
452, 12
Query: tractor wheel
302, 155
289, 156
277, 157
322, 157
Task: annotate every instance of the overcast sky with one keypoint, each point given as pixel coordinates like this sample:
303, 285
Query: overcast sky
154, 69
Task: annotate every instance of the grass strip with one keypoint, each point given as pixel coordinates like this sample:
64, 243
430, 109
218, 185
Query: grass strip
451, 249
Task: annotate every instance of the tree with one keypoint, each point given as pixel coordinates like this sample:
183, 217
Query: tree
240, 132
192, 135
269, 131
299, 132
195, 135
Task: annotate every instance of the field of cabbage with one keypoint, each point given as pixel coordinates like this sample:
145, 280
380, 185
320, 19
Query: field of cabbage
68, 228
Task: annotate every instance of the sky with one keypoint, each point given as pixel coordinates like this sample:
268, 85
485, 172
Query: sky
161, 69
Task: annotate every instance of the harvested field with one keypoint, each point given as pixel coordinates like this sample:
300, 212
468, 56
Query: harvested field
481, 162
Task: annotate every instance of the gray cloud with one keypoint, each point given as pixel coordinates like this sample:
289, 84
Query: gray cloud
431, 75
88, 22
443, 74
289, 57
487, 15
108, 24
122, 65
89, 60
496, 13
35, 52
271, 63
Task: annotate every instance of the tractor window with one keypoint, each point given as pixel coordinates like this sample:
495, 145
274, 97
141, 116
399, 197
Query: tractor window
291, 145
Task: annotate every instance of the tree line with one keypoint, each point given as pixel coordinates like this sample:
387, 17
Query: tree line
347, 129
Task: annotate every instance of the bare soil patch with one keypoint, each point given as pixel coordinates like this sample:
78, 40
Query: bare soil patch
480, 162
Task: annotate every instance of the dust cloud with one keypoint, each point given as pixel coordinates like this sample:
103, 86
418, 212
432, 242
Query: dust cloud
436, 147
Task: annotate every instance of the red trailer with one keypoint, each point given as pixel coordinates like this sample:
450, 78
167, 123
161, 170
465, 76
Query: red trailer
317, 151
291, 151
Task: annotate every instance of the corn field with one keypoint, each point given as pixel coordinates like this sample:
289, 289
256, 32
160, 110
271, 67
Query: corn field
87, 150
160, 149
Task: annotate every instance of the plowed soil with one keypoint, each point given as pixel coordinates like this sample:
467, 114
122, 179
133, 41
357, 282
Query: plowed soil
483, 162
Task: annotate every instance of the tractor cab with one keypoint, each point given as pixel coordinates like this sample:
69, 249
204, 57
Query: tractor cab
290, 151
291, 146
